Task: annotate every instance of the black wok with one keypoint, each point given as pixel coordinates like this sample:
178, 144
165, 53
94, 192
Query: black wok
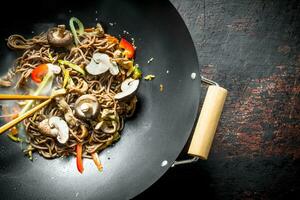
158, 131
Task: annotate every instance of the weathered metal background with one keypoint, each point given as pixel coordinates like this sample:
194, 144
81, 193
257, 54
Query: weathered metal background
252, 48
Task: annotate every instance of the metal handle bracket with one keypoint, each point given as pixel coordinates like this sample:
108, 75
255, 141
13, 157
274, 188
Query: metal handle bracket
195, 158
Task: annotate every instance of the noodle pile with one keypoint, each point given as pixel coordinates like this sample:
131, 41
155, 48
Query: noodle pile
37, 51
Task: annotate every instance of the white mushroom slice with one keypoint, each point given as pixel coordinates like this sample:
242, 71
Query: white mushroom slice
100, 64
114, 69
45, 129
54, 68
128, 87
126, 84
96, 69
100, 57
87, 106
62, 127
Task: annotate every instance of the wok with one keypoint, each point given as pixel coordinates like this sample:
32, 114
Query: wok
163, 121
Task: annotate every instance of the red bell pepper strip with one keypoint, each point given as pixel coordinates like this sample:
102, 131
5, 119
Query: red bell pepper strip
97, 161
79, 158
39, 72
128, 48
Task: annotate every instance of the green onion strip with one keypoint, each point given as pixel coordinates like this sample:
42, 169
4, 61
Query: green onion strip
75, 32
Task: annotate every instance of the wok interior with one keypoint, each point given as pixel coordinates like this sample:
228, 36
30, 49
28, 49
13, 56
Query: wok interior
163, 120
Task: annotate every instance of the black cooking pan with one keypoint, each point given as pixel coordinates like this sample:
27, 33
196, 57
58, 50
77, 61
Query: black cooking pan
151, 140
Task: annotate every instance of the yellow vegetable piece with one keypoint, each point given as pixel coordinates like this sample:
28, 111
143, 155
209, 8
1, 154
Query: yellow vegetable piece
72, 65
137, 73
149, 77
14, 138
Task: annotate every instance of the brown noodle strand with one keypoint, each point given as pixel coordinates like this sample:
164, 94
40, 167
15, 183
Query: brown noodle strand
37, 51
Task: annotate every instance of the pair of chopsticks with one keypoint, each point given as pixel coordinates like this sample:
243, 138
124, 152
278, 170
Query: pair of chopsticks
20, 118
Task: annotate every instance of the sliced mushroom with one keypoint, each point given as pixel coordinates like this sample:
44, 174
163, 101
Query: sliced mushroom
59, 36
87, 106
100, 64
128, 88
46, 129
62, 129
114, 69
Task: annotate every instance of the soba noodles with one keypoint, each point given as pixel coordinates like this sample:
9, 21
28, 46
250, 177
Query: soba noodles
95, 133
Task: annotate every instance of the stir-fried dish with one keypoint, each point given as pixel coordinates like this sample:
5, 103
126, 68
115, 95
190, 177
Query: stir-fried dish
97, 79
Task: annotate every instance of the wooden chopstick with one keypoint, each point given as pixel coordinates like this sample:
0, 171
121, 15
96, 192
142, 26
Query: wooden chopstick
22, 97
17, 120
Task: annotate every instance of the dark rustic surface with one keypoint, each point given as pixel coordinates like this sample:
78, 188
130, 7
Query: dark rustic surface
252, 48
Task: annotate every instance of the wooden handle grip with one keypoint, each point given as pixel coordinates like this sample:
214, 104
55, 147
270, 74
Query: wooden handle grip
207, 122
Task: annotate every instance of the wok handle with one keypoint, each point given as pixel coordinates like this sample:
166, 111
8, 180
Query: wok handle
207, 122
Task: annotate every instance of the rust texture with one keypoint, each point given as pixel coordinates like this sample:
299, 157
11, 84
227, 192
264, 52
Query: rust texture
264, 120
252, 48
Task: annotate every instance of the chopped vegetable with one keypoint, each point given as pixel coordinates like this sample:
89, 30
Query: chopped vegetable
149, 77
137, 73
73, 29
48, 79
79, 158
14, 138
28, 151
161, 87
97, 161
112, 39
128, 48
72, 65
129, 66
50, 57
88, 30
30, 154
66, 77
39, 73
14, 131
